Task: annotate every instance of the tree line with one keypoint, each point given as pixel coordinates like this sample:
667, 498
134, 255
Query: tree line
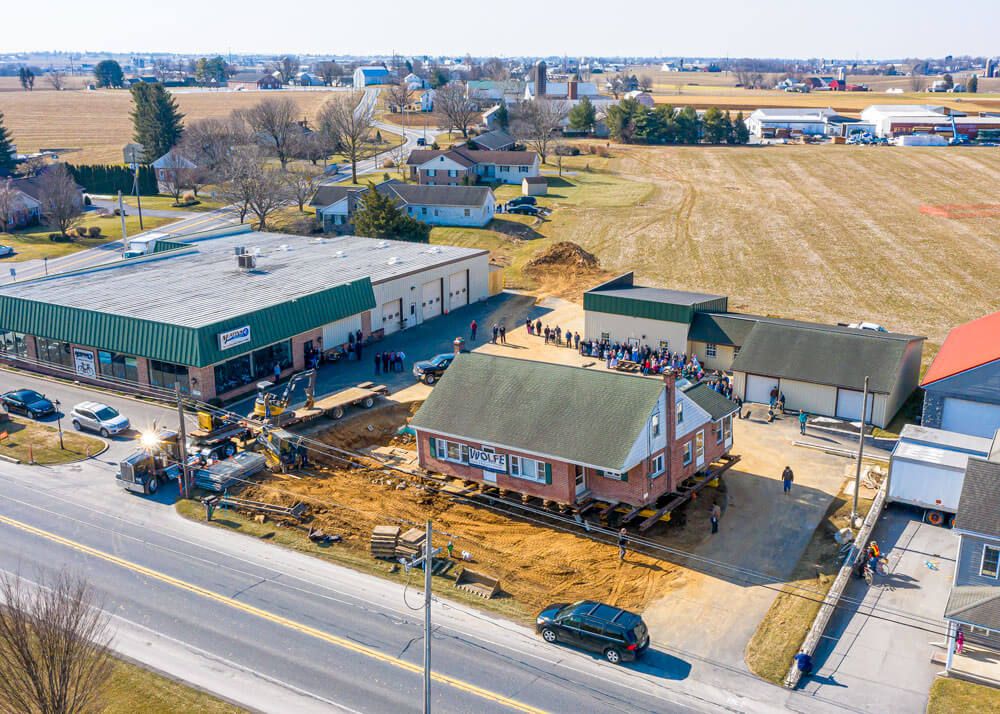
633, 123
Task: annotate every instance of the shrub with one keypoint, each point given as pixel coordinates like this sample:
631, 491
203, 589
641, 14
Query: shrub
385, 177
188, 197
94, 231
388, 164
59, 238
435, 145
87, 201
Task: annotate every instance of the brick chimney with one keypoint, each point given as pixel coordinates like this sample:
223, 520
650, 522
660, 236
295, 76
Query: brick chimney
670, 427
571, 90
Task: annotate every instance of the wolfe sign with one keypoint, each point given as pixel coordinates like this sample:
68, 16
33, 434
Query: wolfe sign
488, 460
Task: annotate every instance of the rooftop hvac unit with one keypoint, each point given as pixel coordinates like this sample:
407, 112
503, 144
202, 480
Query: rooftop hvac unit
340, 254
240, 250
256, 250
246, 261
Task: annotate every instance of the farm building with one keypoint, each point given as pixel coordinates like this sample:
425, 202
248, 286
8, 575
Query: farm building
367, 76
253, 80
216, 313
892, 120
819, 368
535, 186
783, 121
962, 385
488, 421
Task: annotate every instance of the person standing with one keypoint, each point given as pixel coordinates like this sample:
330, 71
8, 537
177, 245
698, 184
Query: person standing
530, 326
959, 642
803, 417
385, 363
472, 328
716, 515
786, 478
503, 334
774, 395
357, 347
277, 372
538, 327
576, 340
804, 663
401, 356
378, 363
622, 540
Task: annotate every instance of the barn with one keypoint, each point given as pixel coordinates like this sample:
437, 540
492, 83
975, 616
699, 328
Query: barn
962, 385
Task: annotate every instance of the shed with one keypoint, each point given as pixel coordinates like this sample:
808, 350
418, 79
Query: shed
535, 186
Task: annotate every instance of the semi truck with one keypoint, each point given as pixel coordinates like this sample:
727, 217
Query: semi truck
157, 460
927, 470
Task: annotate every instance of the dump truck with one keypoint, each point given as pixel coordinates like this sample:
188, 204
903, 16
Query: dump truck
157, 460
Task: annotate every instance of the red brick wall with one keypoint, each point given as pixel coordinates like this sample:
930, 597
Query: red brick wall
441, 178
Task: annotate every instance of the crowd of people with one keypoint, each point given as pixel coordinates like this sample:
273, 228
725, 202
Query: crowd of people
386, 362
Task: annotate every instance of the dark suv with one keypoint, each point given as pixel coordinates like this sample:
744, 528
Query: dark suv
430, 371
620, 635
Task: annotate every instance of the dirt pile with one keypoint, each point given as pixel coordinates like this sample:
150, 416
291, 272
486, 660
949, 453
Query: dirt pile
564, 255
374, 427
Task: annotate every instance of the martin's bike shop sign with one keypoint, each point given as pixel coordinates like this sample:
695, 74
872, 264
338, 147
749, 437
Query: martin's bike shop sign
232, 338
488, 460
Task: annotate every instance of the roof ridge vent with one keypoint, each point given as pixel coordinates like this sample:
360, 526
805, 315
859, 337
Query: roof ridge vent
395, 260
382, 244
434, 249
340, 254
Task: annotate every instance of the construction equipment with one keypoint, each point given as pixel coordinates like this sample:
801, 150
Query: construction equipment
270, 407
157, 460
241, 504
217, 437
477, 583
283, 448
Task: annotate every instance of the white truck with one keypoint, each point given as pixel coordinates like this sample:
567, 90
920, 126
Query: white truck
927, 469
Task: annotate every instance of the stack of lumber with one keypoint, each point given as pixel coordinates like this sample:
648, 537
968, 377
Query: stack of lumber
230, 472
411, 543
384, 540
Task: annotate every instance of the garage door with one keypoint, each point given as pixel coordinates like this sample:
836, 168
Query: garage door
849, 404
458, 289
391, 313
759, 388
430, 299
967, 417
336, 333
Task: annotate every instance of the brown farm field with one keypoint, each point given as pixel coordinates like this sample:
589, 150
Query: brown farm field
92, 127
825, 233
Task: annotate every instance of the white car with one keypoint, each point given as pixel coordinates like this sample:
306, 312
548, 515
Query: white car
867, 326
98, 417
6, 250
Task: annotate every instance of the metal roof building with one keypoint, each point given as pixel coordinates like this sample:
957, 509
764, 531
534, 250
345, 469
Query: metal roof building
201, 311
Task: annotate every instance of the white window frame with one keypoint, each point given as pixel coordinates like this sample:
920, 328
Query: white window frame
982, 562
441, 451
720, 431
452, 173
468, 211
432, 172
736, 350
517, 470
680, 412
655, 425
613, 475
656, 467
688, 453
710, 350
522, 169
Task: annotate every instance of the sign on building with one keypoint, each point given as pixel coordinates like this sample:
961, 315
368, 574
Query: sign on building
84, 361
488, 460
232, 338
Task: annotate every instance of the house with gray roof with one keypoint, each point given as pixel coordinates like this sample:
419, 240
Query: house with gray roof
614, 437
497, 140
819, 368
436, 205
455, 166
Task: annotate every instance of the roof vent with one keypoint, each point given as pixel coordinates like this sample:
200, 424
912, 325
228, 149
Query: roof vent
240, 250
395, 260
256, 250
340, 254
284, 247
246, 261
434, 249
382, 244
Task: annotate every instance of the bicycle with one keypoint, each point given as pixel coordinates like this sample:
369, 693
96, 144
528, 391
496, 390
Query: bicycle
881, 568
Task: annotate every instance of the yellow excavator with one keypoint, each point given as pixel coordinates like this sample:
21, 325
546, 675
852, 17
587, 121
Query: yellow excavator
271, 405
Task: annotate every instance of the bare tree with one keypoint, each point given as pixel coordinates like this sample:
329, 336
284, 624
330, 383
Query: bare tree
289, 67
496, 69
299, 182
645, 82
32, 166
273, 122
55, 79
208, 142
345, 122
266, 192
236, 175
8, 197
456, 107
177, 173
60, 197
537, 122
55, 647
397, 95
398, 155
329, 71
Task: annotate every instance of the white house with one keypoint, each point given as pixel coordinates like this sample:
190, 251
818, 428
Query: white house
366, 76
427, 100
413, 82
453, 167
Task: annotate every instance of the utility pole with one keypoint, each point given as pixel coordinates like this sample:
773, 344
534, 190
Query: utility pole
428, 561
121, 213
861, 449
182, 446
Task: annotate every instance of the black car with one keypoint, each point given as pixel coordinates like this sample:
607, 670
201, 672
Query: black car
620, 635
523, 210
27, 402
522, 201
430, 371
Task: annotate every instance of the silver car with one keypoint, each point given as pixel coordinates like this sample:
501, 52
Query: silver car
98, 417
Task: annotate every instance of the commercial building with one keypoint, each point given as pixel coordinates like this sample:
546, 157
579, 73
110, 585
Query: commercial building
892, 120
819, 368
785, 121
491, 420
962, 385
217, 313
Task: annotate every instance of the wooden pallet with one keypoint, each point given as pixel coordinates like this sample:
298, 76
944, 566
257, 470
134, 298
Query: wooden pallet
384, 540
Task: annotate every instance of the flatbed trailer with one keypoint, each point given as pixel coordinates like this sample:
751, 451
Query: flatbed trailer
334, 405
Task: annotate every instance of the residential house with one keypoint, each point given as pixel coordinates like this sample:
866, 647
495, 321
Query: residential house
452, 167
494, 141
644, 98
962, 385
437, 205
171, 169
413, 82
819, 368
307, 79
426, 100
253, 80
31, 190
490, 420
367, 76
24, 209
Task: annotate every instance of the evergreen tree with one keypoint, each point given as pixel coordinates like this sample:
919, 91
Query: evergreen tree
583, 116
687, 125
740, 133
157, 122
502, 117
622, 119
378, 217
715, 126
109, 74
972, 86
27, 78
6, 148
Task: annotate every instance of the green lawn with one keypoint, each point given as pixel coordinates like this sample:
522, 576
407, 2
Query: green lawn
165, 203
955, 695
43, 442
33, 242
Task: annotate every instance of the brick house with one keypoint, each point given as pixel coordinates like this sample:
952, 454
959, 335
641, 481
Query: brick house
569, 434
452, 167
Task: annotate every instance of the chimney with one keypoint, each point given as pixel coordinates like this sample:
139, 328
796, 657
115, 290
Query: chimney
571, 90
670, 428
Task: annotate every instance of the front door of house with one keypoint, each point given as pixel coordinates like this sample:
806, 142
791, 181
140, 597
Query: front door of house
489, 476
581, 481
699, 448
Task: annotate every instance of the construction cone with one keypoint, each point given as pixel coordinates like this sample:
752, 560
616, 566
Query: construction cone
31, 455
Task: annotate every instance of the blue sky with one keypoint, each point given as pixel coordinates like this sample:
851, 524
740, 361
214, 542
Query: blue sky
888, 29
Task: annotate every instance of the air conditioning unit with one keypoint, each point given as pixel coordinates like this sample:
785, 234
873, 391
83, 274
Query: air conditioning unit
246, 261
240, 250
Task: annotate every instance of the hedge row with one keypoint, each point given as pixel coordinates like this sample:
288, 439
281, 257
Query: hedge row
111, 178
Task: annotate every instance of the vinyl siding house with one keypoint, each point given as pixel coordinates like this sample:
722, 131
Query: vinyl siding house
452, 167
437, 205
24, 210
485, 422
962, 385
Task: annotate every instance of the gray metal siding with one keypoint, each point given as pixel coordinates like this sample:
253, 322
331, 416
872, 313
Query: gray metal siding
970, 557
981, 384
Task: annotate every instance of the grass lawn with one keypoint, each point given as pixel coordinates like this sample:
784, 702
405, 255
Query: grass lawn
33, 242
295, 537
165, 203
956, 695
780, 634
134, 689
44, 442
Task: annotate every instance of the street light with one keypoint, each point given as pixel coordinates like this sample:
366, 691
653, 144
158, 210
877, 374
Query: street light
59, 424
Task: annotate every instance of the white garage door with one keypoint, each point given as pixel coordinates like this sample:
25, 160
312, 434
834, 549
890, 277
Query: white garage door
967, 417
759, 388
430, 299
458, 289
336, 333
391, 313
849, 404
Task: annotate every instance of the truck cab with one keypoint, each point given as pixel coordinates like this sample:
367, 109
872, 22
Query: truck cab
156, 461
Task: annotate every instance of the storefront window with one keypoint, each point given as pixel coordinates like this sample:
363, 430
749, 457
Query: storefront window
118, 366
12, 343
233, 374
265, 358
54, 351
249, 368
167, 375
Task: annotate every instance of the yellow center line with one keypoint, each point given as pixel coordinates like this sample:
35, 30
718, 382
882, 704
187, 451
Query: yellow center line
277, 619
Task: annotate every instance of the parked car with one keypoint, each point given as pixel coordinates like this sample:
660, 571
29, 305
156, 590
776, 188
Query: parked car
6, 250
868, 326
522, 201
620, 635
27, 402
421, 142
430, 371
523, 210
98, 417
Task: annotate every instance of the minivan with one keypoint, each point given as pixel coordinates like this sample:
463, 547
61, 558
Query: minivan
619, 635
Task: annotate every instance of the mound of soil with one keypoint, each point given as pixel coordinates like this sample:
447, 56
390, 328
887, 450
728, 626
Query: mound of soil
561, 256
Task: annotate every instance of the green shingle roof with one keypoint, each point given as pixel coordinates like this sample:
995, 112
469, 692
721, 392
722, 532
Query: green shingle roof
710, 400
715, 328
571, 413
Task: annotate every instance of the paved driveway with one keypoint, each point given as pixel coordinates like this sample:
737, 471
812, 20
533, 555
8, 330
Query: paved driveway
869, 661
